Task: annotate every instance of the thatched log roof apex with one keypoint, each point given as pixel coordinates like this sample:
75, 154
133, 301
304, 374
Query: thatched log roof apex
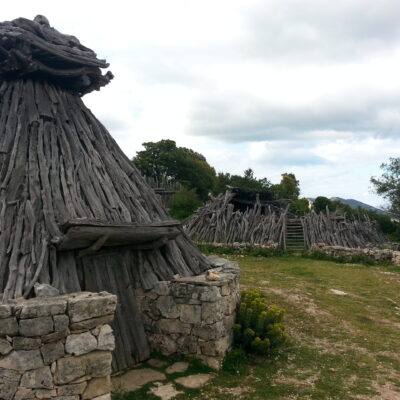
35, 49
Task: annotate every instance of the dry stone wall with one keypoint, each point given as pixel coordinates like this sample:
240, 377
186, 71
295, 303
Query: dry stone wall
376, 255
57, 347
193, 316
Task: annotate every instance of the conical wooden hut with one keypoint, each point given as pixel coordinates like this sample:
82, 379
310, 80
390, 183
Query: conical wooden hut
74, 212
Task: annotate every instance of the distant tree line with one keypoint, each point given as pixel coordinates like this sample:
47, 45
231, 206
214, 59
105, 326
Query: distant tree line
165, 160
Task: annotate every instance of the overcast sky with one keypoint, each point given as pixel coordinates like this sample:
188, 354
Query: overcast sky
309, 87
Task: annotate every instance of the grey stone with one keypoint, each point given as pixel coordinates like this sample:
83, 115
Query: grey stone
97, 387
22, 360
45, 393
177, 367
164, 392
190, 313
217, 347
162, 288
9, 381
105, 338
38, 378
9, 326
225, 290
5, 346
187, 344
194, 381
42, 307
213, 312
136, 378
72, 389
55, 336
216, 261
173, 326
167, 307
52, 351
36, 326
95, 364
209, 332
5, 311
25, 343
24, 394
61, 322
162, 343
210, 294
181, 289
84, 306
81, 343
103, 397
92, 323
45, 290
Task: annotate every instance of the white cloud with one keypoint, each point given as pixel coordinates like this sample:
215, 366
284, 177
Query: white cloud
308, 86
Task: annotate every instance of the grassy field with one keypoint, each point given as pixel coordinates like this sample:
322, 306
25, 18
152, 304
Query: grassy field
344, 327
342, 346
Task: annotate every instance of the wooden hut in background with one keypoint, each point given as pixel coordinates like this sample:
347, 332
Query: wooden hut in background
74, 212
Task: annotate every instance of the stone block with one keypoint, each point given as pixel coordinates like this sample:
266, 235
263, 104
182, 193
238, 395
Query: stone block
167, 307
72, 389
181, 289
45, 394
5, 311
190, 313
26, 343
103, 397
45, 290
24, 394
92, 322
36, 326
81, 343
9, 381
187, 344
84, 306
97, 387
42, 307
105, 338
95, 364
225, 290
162, 288
173, 326
38, 378
61, 322
9, 326
52, 351
213, 312
231, 305
209, 332
209, 294
55, 336
5, 347
162, 343
22, 360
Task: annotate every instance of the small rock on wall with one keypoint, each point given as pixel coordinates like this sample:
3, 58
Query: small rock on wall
57, 347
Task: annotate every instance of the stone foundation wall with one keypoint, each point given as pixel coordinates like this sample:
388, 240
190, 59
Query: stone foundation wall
193, 316
376, 255
57, 347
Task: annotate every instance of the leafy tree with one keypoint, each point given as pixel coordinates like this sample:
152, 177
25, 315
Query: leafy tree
321, 203
388, 185
299, 207
164, 160
185, 203
288, 188
247, 181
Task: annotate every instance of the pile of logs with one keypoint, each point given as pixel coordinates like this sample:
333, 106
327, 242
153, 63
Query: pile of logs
336, 230
217, 222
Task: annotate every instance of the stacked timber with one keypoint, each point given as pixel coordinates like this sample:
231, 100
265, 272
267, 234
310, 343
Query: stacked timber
337, 230
218, 222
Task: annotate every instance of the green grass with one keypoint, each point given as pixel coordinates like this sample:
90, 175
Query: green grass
340, 347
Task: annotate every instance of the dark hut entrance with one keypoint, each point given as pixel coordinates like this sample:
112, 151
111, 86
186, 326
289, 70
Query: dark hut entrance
74, 212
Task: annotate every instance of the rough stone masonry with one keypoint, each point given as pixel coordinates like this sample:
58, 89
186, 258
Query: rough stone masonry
57, 347
191, 315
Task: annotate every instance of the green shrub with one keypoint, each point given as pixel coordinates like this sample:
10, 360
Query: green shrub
259, 327
185, 203
235, 362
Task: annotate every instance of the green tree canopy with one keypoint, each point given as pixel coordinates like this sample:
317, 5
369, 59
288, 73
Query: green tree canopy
247, 181
388, 185
321, 203
288, 188
164, 160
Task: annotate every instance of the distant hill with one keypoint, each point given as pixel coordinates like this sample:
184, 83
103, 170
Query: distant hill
355, 203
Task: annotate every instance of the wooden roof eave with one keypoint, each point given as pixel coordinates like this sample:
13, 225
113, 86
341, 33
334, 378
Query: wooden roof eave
93, 235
